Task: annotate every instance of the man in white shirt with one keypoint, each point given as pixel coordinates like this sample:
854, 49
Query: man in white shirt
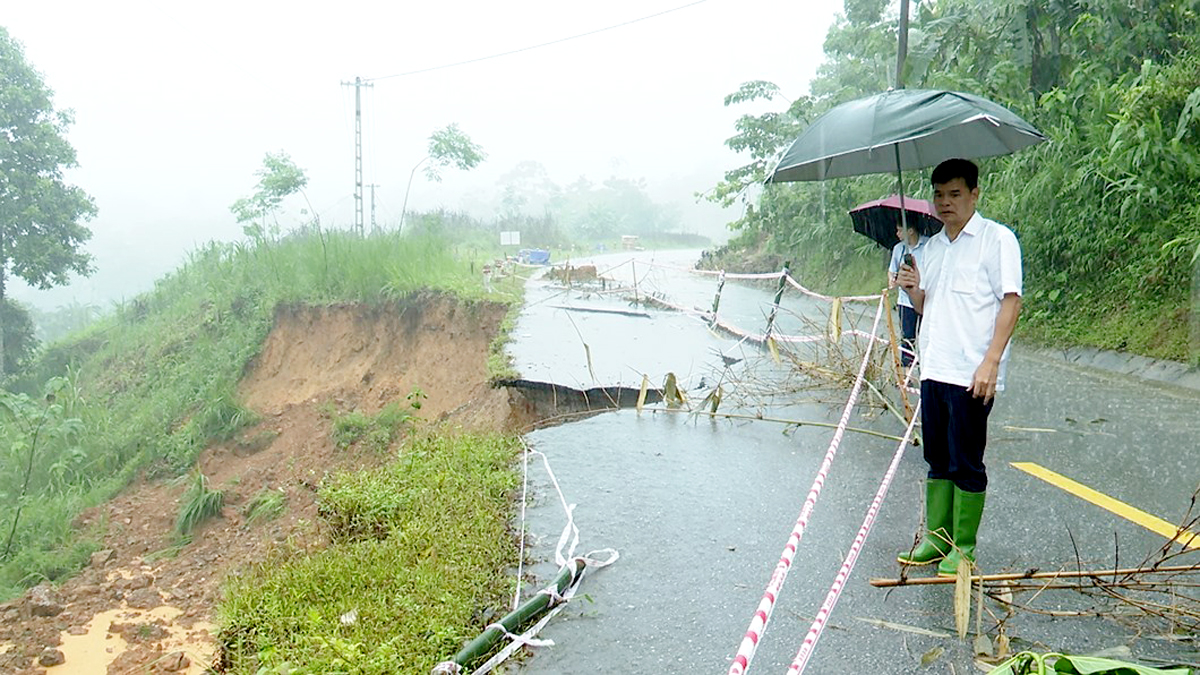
911, 243
967, 287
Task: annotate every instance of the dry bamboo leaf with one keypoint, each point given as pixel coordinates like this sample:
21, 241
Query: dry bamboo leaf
588, 351
962, 598
931, 656
671, 392
774, 349
1002, 645
641, 402
835, 320
903, 628
1006, 595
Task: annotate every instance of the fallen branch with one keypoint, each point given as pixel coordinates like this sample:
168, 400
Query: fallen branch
1034, 574
603, 310
763, 418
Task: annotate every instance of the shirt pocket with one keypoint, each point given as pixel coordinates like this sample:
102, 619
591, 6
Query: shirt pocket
964, 278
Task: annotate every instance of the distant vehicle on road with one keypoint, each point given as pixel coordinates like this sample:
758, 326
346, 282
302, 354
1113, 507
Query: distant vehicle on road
534, 256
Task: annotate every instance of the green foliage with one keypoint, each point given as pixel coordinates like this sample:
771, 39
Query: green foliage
155, 382
199, 503
40, 441
422, 549
1106, 212
278, 179
451, 147
267, 505
20, 337
499, 363
1030, 663
41, 231
378, 432
66, 319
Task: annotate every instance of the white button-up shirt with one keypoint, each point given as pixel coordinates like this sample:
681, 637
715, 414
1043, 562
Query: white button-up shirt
964, 281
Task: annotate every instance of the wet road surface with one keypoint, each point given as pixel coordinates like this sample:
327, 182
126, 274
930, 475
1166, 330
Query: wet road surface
700, 509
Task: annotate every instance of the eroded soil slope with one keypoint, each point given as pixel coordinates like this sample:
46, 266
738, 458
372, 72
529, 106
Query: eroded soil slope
143, 607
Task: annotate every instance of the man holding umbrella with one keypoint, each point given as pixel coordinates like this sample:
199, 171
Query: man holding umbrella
911, 245
967, 287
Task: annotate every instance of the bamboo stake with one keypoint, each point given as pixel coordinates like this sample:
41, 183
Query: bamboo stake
1016, 576
798, 423
895, 349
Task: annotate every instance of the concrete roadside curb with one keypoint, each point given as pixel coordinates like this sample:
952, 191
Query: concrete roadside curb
1159, 371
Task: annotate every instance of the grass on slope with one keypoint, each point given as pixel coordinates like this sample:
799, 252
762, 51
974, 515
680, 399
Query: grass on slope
421, 549
154, 383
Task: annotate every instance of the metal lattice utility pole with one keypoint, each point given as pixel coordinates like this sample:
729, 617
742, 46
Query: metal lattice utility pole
374, 227
358, 84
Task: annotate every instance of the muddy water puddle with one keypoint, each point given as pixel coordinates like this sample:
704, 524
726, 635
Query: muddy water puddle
92, 652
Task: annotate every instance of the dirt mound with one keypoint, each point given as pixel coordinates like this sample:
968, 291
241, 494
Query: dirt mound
368, 357
317, 362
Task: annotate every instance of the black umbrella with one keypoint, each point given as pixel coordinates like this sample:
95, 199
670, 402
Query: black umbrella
878, 219
902, 129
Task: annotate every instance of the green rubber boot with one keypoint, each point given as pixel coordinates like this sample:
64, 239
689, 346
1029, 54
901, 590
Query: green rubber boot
968, 510
939, 524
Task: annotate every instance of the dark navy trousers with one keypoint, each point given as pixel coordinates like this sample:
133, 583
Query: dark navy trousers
954, 432
908, 332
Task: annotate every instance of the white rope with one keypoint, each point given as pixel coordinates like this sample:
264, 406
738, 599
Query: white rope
845, 298
564, 555
525, 639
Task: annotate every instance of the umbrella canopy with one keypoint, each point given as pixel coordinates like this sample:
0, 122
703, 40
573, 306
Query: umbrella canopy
878, 219
902, 129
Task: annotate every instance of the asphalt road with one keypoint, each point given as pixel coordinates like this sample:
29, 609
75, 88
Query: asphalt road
700, 510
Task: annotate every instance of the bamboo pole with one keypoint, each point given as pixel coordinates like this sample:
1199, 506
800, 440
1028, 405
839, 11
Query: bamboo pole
798, 423
1017, 576
895, 349
778, 297
717, 299
476, 650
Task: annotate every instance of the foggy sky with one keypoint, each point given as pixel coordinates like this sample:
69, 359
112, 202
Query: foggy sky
176, 104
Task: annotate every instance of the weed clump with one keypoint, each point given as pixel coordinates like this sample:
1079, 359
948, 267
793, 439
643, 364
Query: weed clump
199, 504
421, 545
267, 505
378, 432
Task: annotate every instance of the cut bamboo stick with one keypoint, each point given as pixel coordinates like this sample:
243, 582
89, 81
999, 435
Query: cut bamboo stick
1032, 574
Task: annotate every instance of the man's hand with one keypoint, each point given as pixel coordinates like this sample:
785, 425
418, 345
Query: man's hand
908, 277
983, 385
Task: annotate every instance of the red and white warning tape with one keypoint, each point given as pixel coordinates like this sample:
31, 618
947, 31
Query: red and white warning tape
839, 582
758, 624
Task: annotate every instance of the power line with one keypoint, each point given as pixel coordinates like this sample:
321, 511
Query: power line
537, 46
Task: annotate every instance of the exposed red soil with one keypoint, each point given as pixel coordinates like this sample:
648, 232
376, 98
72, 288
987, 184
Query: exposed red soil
316, 359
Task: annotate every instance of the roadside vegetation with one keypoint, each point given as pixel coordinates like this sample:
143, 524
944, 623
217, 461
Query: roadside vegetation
143, 390
419, 560
1106, 212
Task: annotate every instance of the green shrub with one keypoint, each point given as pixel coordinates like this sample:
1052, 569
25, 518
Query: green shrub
199, 504
432, 555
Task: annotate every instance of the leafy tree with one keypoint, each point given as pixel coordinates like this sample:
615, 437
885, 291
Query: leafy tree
20, 338
448, 147
278, 179
41, 230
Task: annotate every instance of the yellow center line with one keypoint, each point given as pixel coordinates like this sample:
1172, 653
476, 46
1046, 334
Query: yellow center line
1153, 523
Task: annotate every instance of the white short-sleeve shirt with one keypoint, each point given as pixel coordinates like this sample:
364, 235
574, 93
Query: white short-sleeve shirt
964, 281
